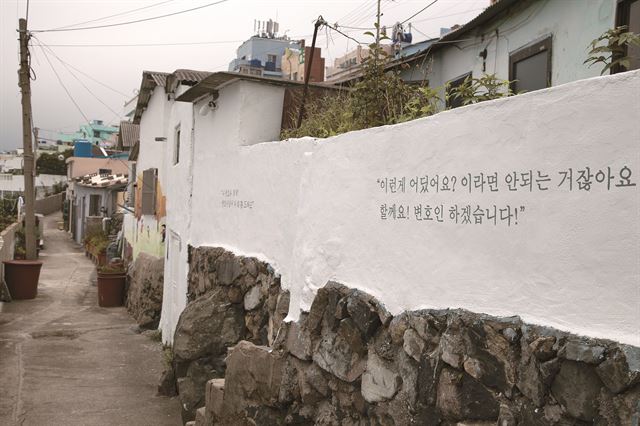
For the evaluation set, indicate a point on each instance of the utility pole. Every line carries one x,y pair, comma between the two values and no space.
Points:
307,74
378,25
24,81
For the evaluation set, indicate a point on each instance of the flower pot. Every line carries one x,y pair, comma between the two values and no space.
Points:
22,278
110,289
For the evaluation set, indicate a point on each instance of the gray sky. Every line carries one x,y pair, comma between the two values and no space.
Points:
227,24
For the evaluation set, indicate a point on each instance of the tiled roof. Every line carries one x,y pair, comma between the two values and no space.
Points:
159,78
152,79
96,180
190,76
215,80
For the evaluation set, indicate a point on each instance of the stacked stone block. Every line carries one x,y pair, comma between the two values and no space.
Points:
350,362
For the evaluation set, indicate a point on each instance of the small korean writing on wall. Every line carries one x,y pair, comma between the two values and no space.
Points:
231,200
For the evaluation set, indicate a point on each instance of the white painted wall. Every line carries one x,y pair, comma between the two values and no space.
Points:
571,262
573,25
82,202
10,184
145,232
178,178
247,114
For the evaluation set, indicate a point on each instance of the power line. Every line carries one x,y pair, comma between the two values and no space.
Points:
420,11
43,46
367,12
114,15
344,34
195,43
449,15
65,88
358,12
420,32
132,22
82,72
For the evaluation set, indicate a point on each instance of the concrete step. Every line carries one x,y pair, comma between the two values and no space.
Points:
214,396
201,417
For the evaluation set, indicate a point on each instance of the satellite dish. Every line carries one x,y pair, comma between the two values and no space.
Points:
61,157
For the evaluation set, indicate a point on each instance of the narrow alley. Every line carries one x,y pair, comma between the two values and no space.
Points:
66,361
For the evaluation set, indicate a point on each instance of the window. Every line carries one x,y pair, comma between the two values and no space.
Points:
96,134
104,171
530,67
149,178
176,145
94,204
455,102
271,58
628,14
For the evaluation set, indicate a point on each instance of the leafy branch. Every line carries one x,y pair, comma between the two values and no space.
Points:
610,49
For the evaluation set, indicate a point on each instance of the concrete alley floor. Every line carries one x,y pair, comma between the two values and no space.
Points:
66,361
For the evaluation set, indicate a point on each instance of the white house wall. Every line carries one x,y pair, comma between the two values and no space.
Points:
572,24
313,208
82,200
247,114
153,125
178,178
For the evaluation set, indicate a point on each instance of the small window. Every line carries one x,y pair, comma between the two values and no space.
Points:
628,15
271,58
96,134
455,102
176,146
149,178
94,204
104,171
530,67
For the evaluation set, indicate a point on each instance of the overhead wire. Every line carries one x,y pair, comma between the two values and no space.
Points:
65,88
149,44
84,73
344,34
420,11
44,46
352,13
114,15
132,22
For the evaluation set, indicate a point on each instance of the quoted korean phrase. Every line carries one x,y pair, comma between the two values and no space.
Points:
582,179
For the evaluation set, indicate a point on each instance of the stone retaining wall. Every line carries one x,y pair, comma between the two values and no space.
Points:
348,361
231,299
144,292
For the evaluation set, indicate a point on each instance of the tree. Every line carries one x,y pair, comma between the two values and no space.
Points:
51,164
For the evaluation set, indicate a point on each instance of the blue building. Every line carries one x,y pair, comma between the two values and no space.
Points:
262,54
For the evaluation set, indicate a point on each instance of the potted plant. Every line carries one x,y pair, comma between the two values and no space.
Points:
87,245
22,275
100,244
111,282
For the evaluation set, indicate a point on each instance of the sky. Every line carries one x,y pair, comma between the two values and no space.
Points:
101,77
